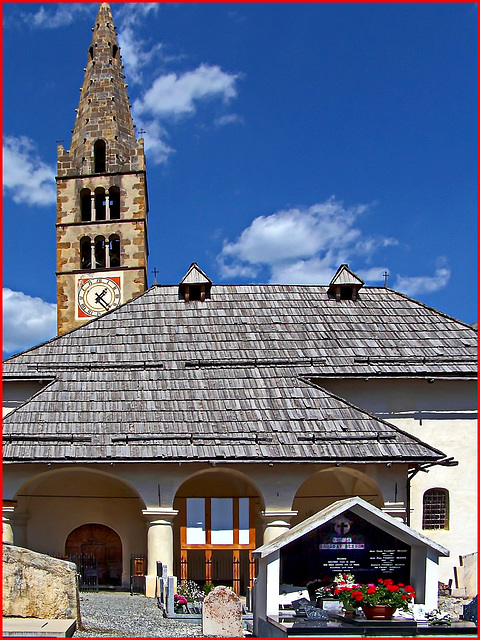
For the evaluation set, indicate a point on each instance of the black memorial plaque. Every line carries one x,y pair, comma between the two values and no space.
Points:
348,543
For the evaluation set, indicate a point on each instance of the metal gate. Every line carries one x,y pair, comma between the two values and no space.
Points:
87,569
137,574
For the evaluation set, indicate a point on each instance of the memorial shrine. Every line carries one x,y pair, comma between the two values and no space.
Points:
349,536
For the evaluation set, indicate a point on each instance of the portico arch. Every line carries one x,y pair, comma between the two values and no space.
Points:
217,528
53,504
329,485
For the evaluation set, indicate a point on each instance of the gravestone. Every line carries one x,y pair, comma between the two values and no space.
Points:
300,606
222,614
470,611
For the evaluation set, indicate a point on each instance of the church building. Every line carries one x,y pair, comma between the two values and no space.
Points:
192,423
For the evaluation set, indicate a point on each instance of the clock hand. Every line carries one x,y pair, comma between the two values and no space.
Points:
99,299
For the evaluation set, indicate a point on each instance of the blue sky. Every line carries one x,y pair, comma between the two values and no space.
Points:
282,140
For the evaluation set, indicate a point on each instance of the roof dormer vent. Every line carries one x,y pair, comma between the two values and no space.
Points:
195,285
345,284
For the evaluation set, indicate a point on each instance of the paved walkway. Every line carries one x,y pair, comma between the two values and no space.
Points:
121,615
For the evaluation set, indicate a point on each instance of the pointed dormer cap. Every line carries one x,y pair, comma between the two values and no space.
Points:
195,284
345,284
104,119
195,275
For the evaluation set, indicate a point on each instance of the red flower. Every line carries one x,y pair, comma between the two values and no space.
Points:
409,589
372,590
380,580
400,584
392,587
387,581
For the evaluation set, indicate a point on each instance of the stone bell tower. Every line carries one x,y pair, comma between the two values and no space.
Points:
102,201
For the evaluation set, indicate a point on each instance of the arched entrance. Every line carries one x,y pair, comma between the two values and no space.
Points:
102,543
336,483
216,530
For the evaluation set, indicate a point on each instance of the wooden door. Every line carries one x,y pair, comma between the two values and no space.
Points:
102,543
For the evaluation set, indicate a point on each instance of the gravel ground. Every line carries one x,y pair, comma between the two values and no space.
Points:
120,615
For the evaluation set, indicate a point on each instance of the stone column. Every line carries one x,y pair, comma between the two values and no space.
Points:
396,510
7,514
276,523
20,521
159,544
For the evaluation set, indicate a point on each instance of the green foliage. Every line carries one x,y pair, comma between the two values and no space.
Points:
207,587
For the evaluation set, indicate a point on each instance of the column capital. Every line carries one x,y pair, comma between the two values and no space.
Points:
396,510
159,516
278,514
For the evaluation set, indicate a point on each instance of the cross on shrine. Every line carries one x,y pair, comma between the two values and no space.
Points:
344,527
385,276
155,272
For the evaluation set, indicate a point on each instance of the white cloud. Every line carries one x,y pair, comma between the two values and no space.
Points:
418,285
131,13
60,16
232,118
26,321
156,146
312,271
374,274
177,95
135,55
26,178
302,245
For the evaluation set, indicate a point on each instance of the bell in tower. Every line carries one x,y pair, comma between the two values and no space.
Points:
102,202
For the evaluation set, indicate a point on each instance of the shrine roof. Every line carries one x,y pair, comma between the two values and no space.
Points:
361,508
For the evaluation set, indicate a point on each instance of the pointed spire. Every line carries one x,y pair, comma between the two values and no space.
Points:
104,112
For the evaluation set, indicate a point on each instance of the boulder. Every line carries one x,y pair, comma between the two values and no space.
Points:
38,586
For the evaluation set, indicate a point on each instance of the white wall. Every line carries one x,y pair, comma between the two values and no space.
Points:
443,414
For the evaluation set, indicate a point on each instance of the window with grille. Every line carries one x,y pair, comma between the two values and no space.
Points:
435,509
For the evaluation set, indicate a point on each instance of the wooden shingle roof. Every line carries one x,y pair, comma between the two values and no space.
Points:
228,378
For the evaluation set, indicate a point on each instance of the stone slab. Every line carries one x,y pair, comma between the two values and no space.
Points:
38,628
222,614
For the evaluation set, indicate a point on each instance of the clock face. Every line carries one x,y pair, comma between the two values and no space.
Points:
97,295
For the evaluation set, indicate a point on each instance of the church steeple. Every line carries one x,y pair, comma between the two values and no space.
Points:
104,112
102,202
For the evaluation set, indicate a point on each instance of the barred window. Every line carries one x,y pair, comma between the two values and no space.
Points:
435,509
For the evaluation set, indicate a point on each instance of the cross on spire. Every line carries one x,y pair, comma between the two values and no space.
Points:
155,272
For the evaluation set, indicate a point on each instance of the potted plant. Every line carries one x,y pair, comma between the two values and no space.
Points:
378,601
343,585
179,602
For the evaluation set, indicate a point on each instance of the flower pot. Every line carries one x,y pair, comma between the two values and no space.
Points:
378,612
